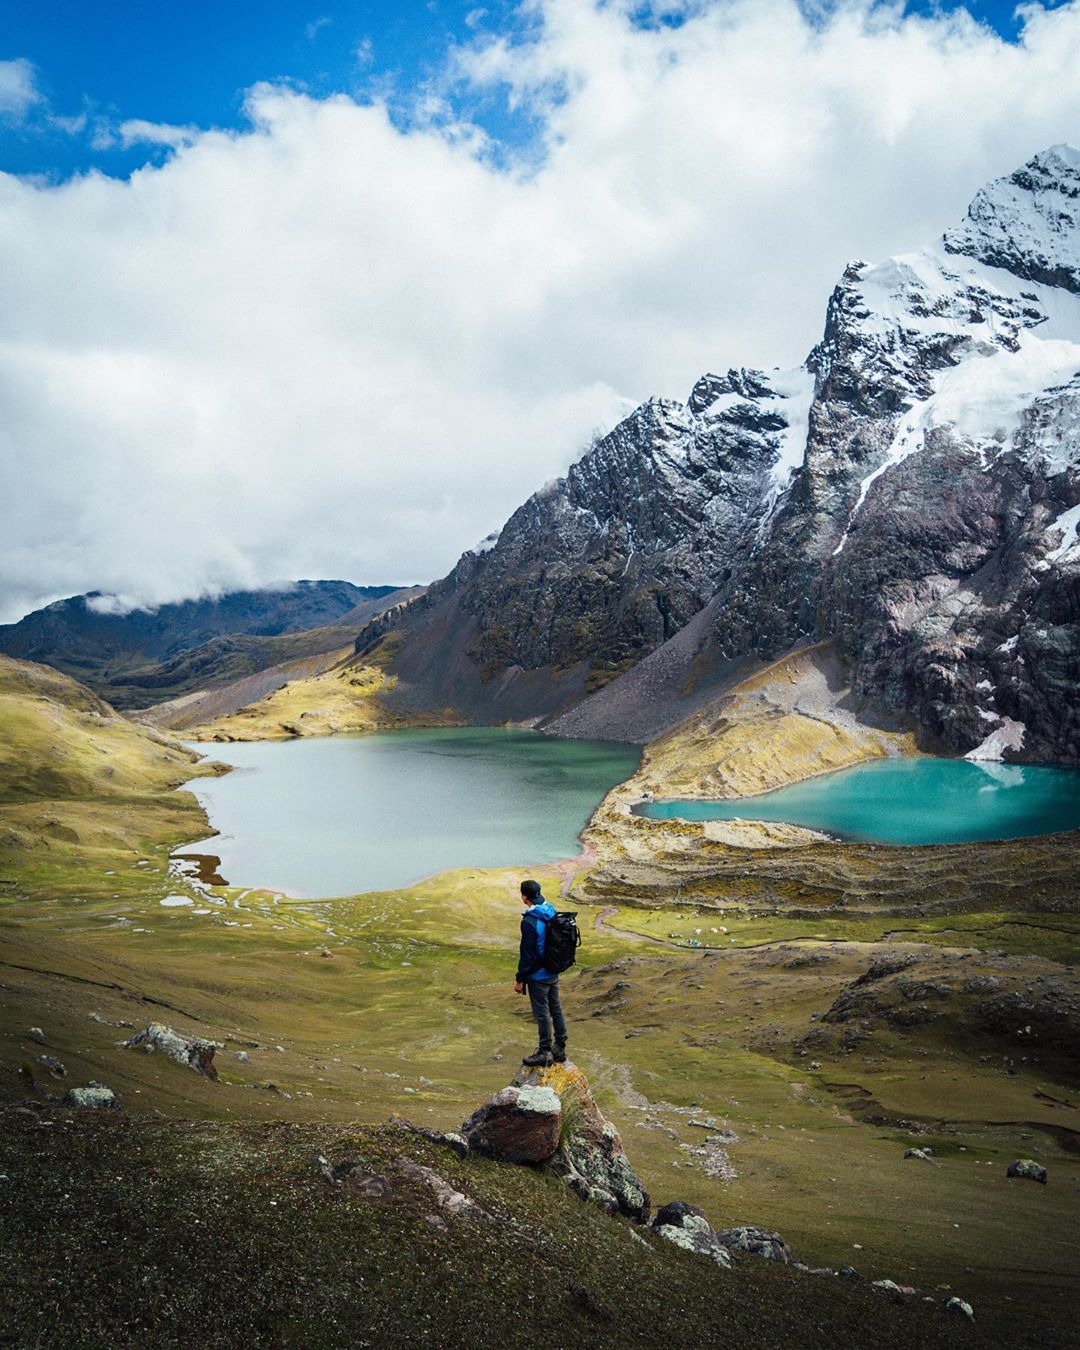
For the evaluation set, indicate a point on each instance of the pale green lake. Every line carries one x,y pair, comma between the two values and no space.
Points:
909,801
342,814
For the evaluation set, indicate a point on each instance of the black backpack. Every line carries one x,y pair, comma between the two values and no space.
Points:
561,942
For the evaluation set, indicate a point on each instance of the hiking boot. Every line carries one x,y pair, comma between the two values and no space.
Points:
559,1054
539,1059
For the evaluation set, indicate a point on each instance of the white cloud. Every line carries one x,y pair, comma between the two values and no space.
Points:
18,89
136,131
330,346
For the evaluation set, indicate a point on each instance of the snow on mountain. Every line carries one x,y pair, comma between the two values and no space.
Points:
1028,222
911,493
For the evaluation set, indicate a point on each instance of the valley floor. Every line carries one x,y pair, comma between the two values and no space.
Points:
851,1003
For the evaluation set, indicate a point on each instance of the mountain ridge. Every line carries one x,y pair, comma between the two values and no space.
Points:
911,493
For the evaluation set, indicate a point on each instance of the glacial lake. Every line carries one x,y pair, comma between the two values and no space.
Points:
909,801
342,814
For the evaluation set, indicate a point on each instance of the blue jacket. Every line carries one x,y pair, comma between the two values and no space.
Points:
533,938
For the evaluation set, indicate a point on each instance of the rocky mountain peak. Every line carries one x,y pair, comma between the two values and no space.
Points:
1029,221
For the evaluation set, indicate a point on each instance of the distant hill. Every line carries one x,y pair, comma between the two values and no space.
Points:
148,655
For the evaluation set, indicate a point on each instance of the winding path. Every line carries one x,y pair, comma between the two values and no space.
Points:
609,911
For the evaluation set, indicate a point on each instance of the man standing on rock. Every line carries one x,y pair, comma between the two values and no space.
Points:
542,984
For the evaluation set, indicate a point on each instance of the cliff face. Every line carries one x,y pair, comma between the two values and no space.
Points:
912,494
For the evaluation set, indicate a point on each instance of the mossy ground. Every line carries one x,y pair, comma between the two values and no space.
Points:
166,1234
412,1011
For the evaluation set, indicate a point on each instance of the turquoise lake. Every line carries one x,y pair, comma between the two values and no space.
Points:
343,814
909,801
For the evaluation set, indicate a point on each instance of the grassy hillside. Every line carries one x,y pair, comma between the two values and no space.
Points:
350,696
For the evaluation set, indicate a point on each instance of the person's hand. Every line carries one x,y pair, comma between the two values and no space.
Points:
519,988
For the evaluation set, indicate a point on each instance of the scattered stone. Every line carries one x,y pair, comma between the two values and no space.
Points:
519,1124
815,1063
97,1017
191,1051
35,1034
849,1273
891,1287
453,1201
757,1241
1028,1169
243,1057
369,1184
958,1305
95,1096
923,1155
53,1065
456,1142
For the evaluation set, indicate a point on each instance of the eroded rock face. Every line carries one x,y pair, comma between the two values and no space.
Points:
591,1158
191,1051
520,1124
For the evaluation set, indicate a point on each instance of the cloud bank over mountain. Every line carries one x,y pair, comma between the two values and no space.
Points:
344,344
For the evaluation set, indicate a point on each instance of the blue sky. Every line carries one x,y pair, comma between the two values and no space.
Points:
97,65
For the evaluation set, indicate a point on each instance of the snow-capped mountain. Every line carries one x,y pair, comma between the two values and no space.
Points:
911,493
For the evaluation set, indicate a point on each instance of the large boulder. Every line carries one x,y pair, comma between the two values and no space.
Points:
191,1051
591,1157
520,1124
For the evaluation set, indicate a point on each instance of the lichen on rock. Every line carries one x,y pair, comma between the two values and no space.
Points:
191,1051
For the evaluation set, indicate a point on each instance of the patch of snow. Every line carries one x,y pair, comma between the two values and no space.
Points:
173,901
1030,216
1010,644
795,389
1069,525
487,543
988,716
1009,736
984,684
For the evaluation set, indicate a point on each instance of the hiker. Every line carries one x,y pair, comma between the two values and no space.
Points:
542,984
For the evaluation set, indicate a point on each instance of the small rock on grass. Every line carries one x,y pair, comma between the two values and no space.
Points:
1028,1169
35,1034
53,1065
94,1096
957,1305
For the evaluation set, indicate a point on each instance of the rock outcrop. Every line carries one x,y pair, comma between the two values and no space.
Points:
520,1124
687,1227
191,1051
548,1115
590,1158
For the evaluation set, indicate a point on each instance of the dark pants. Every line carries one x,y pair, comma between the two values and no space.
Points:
546,1008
